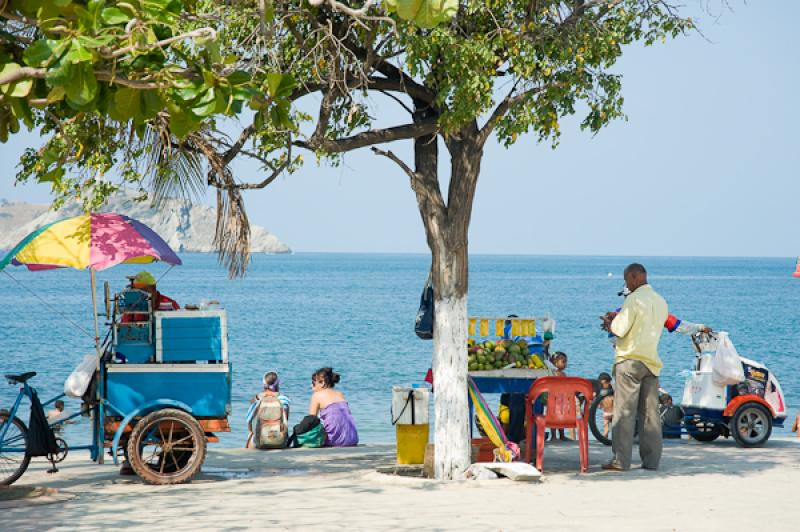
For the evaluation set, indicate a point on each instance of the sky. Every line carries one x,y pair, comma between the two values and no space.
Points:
706,164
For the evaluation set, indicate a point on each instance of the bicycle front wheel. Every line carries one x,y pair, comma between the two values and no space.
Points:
14,458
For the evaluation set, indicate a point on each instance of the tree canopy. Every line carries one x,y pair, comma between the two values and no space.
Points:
136,92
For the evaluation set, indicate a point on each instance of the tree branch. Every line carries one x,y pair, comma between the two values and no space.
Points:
407,169
373,136
508,103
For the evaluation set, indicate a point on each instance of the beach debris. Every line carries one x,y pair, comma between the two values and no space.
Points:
513,470
479,471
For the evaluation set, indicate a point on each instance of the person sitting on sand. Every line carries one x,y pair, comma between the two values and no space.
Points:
332,409
272,388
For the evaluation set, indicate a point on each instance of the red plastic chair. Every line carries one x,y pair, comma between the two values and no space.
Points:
560,413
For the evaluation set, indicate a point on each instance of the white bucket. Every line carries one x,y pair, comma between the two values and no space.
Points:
410,410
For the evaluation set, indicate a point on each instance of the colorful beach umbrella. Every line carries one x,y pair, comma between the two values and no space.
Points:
91,241
95,241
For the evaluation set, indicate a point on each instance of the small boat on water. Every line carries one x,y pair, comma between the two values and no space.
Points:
797,269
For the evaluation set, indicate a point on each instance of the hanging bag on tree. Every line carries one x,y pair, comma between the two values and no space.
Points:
424,322
726,366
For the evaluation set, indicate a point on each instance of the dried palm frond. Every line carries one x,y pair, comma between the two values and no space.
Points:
232,235
175,169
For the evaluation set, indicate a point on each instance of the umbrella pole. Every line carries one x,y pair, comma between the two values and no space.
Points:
98,417
94,314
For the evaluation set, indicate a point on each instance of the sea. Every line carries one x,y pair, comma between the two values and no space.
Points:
355,312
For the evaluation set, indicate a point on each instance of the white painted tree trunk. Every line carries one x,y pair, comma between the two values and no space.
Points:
450,385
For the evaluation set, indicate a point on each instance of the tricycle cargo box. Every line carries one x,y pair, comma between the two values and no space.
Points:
191,335
205,388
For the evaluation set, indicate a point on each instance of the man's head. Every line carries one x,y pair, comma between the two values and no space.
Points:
635,276
605,380
145,281
59,405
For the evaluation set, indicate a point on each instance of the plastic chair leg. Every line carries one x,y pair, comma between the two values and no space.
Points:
528,432
583,446
540,428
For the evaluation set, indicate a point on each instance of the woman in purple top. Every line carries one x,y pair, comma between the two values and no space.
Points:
331,407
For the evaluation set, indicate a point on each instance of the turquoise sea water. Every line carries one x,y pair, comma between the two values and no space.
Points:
355,312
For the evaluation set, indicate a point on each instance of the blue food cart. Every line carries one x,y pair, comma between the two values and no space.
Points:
157,389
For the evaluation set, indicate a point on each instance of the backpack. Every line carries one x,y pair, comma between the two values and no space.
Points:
270,426
423,325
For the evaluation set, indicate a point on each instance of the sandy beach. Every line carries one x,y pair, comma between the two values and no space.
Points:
705,487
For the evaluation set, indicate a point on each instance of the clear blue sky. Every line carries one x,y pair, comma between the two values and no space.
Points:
707,164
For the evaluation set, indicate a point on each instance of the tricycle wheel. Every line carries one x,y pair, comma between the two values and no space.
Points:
167,447
14,459
703,431
751,425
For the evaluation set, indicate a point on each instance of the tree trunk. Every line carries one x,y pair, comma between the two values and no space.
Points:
450,374
446,229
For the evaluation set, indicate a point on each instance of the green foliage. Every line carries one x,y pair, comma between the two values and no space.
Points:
141,89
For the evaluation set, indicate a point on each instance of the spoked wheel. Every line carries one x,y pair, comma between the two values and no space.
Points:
751,425
598,424
167,447
63,450
14,459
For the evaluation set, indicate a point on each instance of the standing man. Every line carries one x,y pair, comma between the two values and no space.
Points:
637,326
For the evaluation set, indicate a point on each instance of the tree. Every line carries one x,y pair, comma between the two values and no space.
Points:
464,72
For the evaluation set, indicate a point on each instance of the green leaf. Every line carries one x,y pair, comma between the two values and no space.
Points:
19,89
126,104
52,176
151,104
274,83
22,111
238,77
81,86
78,53
114,15
181,124
39,53
207,104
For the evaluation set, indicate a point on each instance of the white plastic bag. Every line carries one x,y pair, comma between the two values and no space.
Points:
726,367
78,381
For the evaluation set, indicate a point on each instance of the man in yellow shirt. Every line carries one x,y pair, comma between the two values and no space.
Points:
637,326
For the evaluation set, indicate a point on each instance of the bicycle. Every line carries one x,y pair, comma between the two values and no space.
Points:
15,452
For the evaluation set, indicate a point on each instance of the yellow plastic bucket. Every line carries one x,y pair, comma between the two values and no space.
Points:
411,442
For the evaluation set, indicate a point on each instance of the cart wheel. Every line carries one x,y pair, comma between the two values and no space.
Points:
751,425
167,447
63,450
703,431
596,420
14,460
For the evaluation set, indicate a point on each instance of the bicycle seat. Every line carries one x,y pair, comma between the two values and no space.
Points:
12,379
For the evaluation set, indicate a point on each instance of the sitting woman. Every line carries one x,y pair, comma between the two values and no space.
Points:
274,422
332,409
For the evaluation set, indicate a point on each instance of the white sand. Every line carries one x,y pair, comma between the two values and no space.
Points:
704,487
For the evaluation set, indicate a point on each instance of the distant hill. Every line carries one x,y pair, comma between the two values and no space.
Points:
183,225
